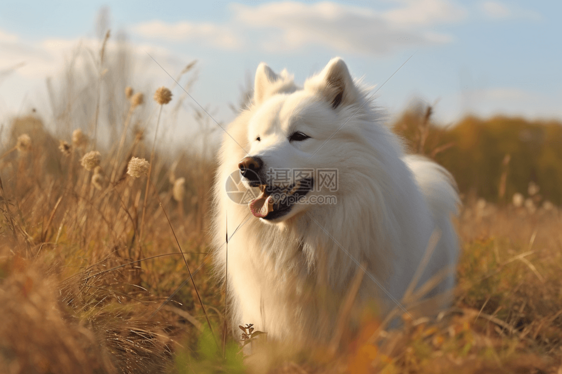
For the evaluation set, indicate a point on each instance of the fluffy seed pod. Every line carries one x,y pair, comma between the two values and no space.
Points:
518,200
79,139
533,189
178,192
129,92
530,205
23,143
163,96
138,167
65,148
137,99
91,160
548,206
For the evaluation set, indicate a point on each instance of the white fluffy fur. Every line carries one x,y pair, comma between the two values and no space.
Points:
289,278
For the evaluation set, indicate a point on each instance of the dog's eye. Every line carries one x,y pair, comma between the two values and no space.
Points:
298,136
258,139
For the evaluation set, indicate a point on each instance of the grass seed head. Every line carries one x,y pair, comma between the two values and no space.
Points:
128,92
91,160
65,148
79,139
137,99
163,95
138,167
518,200
533,189
23,143
530,205
179,189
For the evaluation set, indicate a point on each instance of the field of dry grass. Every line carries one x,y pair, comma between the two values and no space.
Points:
102,272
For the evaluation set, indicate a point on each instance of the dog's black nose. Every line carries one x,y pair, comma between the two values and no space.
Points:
250,167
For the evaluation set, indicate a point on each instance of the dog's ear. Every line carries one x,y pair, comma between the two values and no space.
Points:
264,79
334,83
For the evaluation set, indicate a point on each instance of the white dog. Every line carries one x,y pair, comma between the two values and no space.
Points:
350,200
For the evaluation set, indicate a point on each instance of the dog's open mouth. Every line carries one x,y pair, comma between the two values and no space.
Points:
275,201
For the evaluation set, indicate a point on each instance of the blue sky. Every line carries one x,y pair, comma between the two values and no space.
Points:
482,57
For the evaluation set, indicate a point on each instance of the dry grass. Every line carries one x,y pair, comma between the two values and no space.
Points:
87,285
73,269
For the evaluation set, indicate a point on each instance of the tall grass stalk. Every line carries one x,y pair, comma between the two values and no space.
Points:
141,231
190,274
225,326
121,143
101,73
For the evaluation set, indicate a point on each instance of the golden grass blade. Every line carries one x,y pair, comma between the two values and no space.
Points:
431,245
185,315
346,308
190,275
44,234
225,291
7,213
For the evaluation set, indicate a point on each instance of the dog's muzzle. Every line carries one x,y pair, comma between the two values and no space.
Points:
250,168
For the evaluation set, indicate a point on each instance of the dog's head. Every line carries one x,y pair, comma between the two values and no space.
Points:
300,141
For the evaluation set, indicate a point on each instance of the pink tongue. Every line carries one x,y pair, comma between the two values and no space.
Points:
261,206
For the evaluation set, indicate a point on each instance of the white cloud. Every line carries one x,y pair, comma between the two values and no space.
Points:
7,37
25,64
426,12
36,62
218,35
290,26
49,56
498,10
